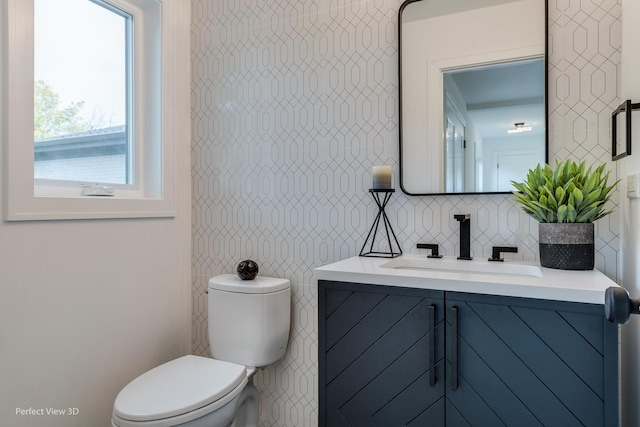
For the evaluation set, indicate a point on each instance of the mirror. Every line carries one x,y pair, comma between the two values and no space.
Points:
473,112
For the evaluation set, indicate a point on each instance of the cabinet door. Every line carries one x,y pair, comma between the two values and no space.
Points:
520,362
374,356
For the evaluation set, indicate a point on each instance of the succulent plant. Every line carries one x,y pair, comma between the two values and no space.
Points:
567,194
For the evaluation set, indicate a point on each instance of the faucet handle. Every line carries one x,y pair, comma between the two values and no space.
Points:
462,217
497,250
433,247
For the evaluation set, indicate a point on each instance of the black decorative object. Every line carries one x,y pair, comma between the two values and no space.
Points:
622,129
567,246
382,203
247,269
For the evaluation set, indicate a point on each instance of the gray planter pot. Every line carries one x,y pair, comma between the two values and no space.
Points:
566,246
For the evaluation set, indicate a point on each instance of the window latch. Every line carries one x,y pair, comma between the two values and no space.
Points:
97,190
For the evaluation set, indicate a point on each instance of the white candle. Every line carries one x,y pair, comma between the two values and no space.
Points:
382,177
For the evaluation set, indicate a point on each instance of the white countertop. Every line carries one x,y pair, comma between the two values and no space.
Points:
558,285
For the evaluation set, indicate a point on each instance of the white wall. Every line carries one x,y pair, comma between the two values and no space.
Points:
86,306
630,216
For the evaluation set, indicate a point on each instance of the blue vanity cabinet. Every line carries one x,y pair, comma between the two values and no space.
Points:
498,361
526,362
375,366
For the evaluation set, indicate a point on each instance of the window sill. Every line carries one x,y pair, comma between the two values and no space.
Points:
60,208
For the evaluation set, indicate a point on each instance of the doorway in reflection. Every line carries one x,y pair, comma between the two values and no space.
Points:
455,168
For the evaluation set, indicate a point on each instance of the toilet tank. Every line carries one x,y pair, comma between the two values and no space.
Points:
249,320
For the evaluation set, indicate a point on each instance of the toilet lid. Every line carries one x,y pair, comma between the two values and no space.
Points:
177,387
259,285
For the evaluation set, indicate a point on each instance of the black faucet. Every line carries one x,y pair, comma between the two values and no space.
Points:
496,250
465,236
433,247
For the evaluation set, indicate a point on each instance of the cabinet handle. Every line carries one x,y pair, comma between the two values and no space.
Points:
454,348
432,345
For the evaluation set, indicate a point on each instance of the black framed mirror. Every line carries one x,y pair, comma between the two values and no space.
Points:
473,94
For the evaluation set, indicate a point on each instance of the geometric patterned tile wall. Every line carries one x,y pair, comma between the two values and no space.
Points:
585,42
293,101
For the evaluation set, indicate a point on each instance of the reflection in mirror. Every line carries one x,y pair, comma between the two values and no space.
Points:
472,80
494,125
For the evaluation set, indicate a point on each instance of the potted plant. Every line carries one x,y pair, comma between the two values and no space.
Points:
565,201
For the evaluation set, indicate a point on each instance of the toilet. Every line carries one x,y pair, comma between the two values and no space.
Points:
249,323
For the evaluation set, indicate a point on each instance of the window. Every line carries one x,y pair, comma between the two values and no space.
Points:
83,92
112,78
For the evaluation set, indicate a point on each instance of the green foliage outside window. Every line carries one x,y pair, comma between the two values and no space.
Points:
50,118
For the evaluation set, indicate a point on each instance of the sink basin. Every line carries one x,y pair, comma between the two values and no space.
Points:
461,266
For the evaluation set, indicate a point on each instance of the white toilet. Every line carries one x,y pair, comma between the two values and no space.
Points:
248,328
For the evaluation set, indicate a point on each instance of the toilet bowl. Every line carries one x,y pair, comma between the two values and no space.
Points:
251,329
192,391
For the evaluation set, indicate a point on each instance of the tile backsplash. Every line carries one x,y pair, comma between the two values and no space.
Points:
293,102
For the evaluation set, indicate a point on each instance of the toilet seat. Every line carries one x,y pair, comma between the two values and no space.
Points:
186,388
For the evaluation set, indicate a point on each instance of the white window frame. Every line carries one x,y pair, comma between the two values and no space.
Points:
165,112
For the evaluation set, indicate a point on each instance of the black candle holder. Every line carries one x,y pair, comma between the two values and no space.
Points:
381,201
